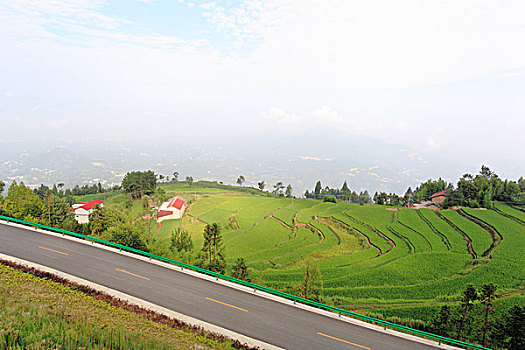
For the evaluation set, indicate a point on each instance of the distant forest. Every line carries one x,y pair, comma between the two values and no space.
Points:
470,191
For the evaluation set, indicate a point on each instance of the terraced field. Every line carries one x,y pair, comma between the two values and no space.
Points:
375,259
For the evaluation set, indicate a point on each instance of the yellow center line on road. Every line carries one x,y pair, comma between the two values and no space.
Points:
220,302
52,250
344,341
133,274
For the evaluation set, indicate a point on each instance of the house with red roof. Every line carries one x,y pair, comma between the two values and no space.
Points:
172,209
438,198
83,209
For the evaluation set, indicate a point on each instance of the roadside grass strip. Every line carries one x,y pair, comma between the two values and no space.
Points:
38,313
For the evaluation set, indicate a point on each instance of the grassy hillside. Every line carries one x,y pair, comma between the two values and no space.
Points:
372,258
37,313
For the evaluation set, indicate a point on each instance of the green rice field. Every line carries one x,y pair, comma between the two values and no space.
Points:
373,259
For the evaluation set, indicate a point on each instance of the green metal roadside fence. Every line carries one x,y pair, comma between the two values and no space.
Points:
256,287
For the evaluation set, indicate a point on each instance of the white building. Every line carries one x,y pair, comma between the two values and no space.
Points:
83,209
172,209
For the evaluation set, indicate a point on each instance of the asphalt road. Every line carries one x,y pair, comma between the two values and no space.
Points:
256,317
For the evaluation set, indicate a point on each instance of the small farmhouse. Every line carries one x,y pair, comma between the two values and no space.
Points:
172,209
83,209
439,197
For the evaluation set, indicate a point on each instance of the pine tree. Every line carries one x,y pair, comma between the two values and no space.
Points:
213,249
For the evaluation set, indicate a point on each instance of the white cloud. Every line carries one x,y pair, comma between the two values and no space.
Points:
293,122
36,108
433,143
352,43
58,123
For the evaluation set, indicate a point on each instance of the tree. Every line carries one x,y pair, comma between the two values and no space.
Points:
128,235
175,176
213,249
261,185
240,270
521,184
364,198
278,188
181,241
240,180
189,180
22,203
470,295
345,192
330,199
139,183
99,220
441,323
488,292
288,192
2,186
317,190
510,330
312,285
56,210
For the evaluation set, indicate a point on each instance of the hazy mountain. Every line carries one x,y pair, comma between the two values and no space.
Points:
299,159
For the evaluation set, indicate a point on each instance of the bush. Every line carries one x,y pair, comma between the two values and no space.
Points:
330,199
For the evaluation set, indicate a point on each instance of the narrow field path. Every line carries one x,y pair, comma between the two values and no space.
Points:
496,236
519,221
417,233
379,233
444,238
342,225
467,238
233,221
280,221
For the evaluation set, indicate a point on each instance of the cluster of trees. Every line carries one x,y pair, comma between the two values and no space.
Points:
482,189
472,191
139,183
332,194
40,206
474,320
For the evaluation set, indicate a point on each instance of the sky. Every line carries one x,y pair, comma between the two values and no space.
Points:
441,77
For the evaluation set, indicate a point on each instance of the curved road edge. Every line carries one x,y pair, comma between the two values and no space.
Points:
229,284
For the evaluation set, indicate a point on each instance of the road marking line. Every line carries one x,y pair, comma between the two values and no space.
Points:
344,341
132,274
52,250
220,302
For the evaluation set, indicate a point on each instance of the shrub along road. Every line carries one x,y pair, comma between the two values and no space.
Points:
256,317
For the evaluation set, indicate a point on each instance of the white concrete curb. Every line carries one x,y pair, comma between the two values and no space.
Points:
146,305
247,289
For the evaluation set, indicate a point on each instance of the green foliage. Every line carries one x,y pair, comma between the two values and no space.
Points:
442,322
330,199
213,249
311,286
181,241
139,183
510,330
22,203
127,234
240,270
426,189
240,180
37,313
